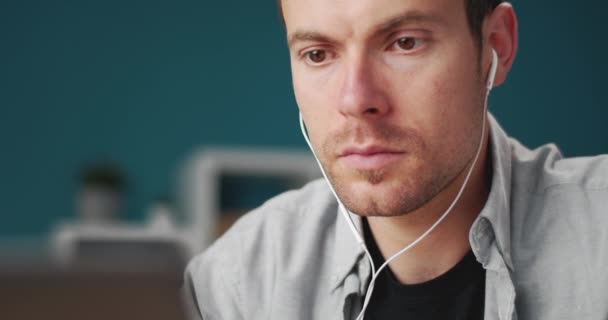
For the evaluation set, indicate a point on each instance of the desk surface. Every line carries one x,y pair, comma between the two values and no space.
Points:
65,293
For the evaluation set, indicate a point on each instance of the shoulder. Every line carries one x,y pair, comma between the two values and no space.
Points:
557,200
285,217
279,235
544,169
558,204
558,218
546,187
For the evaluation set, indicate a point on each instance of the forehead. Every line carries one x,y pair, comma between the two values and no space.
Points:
359,16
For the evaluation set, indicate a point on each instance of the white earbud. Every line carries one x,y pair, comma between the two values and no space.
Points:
492,73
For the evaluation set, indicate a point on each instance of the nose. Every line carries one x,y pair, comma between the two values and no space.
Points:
362,94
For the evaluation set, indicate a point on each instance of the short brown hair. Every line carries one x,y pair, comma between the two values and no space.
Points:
477,10
476,13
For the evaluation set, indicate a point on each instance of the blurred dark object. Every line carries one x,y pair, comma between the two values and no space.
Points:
126,255
106,175
101,195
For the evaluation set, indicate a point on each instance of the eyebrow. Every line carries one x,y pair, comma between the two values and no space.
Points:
409,17
308,36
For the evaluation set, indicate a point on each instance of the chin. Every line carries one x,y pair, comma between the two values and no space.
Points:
380,195
372,198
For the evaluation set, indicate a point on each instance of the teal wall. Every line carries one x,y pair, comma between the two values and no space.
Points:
144,83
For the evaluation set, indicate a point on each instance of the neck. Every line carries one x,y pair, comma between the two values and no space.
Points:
445,246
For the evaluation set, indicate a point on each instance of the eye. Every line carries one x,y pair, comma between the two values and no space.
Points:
406,44
316,56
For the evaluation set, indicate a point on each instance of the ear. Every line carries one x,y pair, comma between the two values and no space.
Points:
500,33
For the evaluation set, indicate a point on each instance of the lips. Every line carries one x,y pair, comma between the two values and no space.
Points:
369,158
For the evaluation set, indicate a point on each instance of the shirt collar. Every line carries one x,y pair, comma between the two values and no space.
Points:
493,222
347,251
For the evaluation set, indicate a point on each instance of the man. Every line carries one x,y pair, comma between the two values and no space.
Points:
473,224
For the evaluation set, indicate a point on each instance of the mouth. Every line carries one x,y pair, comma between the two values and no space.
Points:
370,158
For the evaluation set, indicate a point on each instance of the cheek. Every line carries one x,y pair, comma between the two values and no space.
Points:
437,100
310,89
420,96
311,98
459,112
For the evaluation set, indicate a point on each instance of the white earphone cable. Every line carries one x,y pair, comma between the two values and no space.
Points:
346,213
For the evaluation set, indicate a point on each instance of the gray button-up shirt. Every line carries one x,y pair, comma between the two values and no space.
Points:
542,238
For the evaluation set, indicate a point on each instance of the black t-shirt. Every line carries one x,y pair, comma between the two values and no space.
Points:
457,294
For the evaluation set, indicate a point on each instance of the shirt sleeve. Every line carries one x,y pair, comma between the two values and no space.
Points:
209,292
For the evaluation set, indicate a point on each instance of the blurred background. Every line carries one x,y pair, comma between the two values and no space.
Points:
116,117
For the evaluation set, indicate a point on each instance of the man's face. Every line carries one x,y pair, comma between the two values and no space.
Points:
391,93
